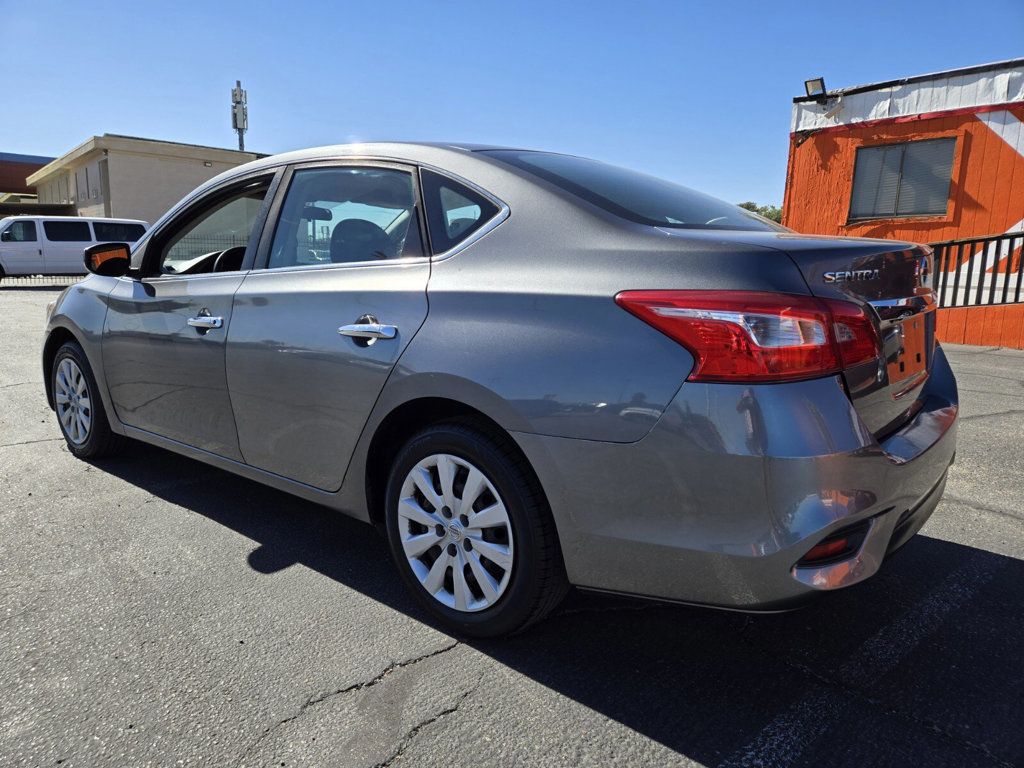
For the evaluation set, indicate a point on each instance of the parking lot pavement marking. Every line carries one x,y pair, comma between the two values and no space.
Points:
783,740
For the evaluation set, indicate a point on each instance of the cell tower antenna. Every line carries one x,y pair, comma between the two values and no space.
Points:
239,112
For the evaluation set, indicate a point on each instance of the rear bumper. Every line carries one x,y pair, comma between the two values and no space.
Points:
735,483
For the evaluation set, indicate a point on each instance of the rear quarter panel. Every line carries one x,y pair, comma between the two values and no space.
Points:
528,314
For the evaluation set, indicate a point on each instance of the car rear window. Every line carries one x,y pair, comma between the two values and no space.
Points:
67,231
117,232
631,195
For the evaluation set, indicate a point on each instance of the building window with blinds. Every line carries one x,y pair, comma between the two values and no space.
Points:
908,179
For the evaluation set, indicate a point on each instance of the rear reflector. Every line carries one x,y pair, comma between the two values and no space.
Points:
754,336
839,546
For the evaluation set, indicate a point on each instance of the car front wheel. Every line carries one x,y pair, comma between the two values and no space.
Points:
80,413
470,531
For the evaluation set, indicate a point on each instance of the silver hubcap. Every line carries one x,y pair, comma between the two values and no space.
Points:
74,408
456,533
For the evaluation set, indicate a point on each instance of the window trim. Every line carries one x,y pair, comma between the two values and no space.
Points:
262,256
154,240
954,175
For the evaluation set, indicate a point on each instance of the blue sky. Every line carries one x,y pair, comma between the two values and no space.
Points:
696,92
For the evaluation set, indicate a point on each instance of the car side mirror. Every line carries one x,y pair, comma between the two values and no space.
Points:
6,237
108,259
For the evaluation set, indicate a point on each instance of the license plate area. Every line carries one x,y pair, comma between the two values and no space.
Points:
908,343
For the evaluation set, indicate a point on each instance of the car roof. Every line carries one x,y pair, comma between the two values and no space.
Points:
411,151
420,152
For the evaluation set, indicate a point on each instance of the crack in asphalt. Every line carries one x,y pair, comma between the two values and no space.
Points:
30,442
407,739
1010,412
312,701
982,508
19,384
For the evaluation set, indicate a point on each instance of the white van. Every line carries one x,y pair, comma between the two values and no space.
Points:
53,245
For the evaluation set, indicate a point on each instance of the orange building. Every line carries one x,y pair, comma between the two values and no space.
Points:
936,159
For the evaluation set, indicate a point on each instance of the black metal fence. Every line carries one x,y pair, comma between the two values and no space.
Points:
980,271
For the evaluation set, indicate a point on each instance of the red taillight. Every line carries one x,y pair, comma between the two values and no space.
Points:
854,332
755,336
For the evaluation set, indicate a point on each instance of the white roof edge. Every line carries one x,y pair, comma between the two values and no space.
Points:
993,85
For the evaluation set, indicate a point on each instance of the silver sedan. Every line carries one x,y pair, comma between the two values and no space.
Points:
529,370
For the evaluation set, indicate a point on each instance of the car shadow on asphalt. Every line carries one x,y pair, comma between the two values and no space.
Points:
921,664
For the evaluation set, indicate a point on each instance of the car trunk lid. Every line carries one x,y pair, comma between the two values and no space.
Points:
895,280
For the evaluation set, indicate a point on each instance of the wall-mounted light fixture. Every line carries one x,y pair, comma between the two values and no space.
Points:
815,88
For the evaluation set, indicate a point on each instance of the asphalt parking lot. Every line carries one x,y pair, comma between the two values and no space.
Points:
156,611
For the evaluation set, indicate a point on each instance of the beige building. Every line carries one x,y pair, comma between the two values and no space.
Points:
130,178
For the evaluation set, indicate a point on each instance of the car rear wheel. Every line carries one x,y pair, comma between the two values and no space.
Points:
471,532
80,413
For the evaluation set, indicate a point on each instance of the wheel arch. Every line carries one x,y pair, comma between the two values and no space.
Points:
57,338
405,420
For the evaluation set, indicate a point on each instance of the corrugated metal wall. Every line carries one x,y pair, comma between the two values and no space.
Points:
986,193
986,196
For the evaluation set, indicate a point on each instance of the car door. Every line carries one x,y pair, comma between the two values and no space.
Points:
21,252
317,328
163,342
64,242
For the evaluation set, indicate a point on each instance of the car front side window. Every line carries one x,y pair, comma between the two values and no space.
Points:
345,215
21,232
213,238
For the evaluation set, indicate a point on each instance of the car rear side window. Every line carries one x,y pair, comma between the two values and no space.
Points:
454,211
346,215
117,232
21,232
67,231
633,196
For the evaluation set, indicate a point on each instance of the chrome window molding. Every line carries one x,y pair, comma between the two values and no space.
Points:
503,211
492,223
404,261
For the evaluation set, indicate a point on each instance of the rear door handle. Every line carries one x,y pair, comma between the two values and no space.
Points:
369,331
206,322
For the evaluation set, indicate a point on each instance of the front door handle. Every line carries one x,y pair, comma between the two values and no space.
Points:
369,331
205,321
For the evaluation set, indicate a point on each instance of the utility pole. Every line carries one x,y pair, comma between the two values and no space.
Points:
239,112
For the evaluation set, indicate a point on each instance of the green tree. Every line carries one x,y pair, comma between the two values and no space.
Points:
772,212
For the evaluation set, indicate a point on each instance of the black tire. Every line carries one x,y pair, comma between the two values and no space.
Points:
101,441
537,583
